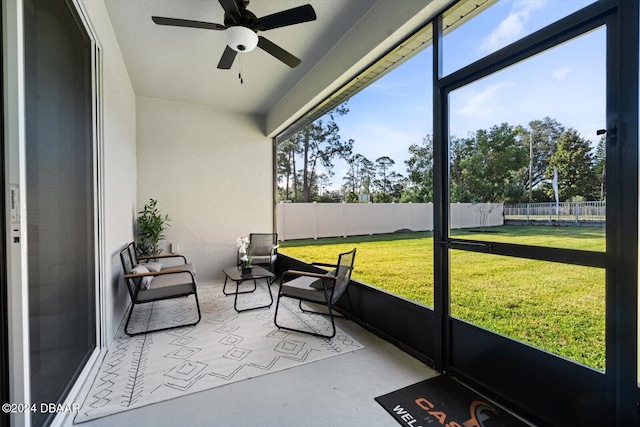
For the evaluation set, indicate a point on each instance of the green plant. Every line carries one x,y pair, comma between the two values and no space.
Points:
151,226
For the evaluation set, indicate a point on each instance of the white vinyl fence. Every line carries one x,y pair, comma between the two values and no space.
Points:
317,220
564,211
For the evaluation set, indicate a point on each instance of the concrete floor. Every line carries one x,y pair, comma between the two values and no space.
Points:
338,391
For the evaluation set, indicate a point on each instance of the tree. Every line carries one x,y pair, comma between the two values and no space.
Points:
319,143
389,184
398,184
382,198
540,139
330,196
459,150
383,164
287,151
351,197
600,166
351,183
576,175
358,178
490,165
318,182
420,172
367,172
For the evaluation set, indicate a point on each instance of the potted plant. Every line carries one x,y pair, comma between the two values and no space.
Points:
151,226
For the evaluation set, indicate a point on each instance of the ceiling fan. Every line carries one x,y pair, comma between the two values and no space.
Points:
240,27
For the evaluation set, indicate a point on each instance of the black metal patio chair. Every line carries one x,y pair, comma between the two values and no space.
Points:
146,286
263,248
323,289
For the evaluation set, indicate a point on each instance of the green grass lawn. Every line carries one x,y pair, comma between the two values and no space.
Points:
556,307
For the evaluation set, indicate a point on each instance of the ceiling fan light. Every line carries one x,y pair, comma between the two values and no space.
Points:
241,39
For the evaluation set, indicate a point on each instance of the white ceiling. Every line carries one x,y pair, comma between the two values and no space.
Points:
179,64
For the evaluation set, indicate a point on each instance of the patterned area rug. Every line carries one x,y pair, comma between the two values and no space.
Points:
223,348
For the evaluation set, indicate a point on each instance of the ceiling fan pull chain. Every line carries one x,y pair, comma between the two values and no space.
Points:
240,73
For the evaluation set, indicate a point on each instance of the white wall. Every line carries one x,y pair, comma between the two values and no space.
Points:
119,160
211,172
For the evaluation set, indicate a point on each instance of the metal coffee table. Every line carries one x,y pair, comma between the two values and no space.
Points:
237,275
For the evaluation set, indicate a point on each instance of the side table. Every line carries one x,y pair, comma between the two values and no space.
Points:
237,275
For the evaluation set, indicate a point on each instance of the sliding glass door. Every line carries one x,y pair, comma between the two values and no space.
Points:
60,199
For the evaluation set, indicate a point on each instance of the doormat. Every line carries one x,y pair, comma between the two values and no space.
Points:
441,401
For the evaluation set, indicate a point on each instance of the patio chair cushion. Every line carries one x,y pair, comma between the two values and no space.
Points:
189,267
173,279
146,281
317,284
153,266
266,259
301,288
164,292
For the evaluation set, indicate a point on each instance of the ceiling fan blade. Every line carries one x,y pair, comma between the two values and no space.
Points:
187,23
293,16
278,52
230,7
226,61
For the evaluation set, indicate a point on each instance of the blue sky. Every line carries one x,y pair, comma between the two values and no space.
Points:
566,83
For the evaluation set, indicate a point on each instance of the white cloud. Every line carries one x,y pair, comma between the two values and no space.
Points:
481,103
561,73
389,85
395,88
512,27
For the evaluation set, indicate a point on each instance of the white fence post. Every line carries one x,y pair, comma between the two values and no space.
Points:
344,219
315,220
